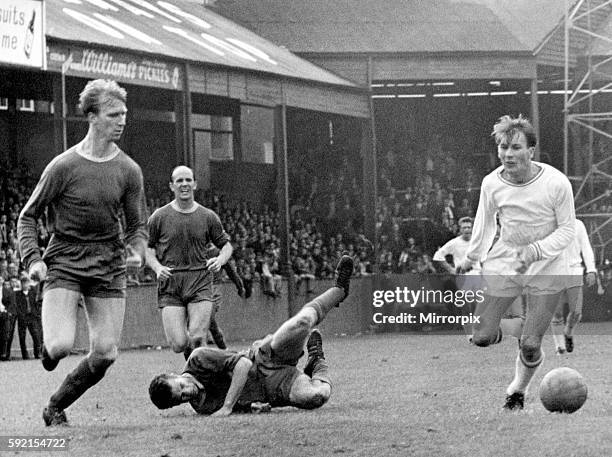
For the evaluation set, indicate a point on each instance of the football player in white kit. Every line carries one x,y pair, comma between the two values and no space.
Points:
578,251
457,248
535,206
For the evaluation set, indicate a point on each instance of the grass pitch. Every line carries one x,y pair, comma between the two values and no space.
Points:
394,394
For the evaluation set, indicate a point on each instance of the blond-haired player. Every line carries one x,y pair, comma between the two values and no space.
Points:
535,205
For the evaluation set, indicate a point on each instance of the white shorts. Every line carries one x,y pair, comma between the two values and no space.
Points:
544,277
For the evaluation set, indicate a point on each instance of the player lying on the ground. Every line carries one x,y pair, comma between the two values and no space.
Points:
218,382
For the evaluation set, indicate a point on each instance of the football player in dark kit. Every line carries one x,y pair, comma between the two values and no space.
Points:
179,235
219,382
86,190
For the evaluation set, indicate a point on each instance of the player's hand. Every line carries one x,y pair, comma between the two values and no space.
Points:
525,256
163,273
38,271
591,278
464,266
213,264
223,412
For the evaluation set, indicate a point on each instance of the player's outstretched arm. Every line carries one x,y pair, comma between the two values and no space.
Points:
239,379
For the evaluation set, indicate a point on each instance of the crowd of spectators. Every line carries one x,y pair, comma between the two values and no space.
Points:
16,312
421,197
16,185
326,206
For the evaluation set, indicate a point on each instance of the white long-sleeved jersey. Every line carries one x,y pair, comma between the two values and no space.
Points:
580,250
539,212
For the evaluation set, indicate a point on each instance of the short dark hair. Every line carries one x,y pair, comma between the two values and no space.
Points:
465,219
160,392
508,126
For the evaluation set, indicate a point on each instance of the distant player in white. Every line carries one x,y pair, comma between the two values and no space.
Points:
457,248
578,251
535,206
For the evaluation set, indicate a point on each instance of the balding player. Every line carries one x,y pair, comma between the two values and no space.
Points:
179,234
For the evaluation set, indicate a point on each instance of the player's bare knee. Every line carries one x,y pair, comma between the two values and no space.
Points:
105,352
302,321
316,399
99,363
104,347
178,344
530,349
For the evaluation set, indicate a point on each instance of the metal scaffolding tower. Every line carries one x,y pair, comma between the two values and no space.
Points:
588,116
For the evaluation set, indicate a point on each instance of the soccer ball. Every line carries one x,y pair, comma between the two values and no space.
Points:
563,390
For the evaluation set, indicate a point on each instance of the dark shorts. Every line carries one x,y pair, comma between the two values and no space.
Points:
93,269
185,287
274,375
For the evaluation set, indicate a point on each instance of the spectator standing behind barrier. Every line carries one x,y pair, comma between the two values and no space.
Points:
4,323
8,300
28,317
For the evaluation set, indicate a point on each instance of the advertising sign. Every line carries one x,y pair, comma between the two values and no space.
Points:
127,68
22,33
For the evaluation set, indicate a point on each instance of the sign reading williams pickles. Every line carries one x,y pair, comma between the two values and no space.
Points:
99,63
22,33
